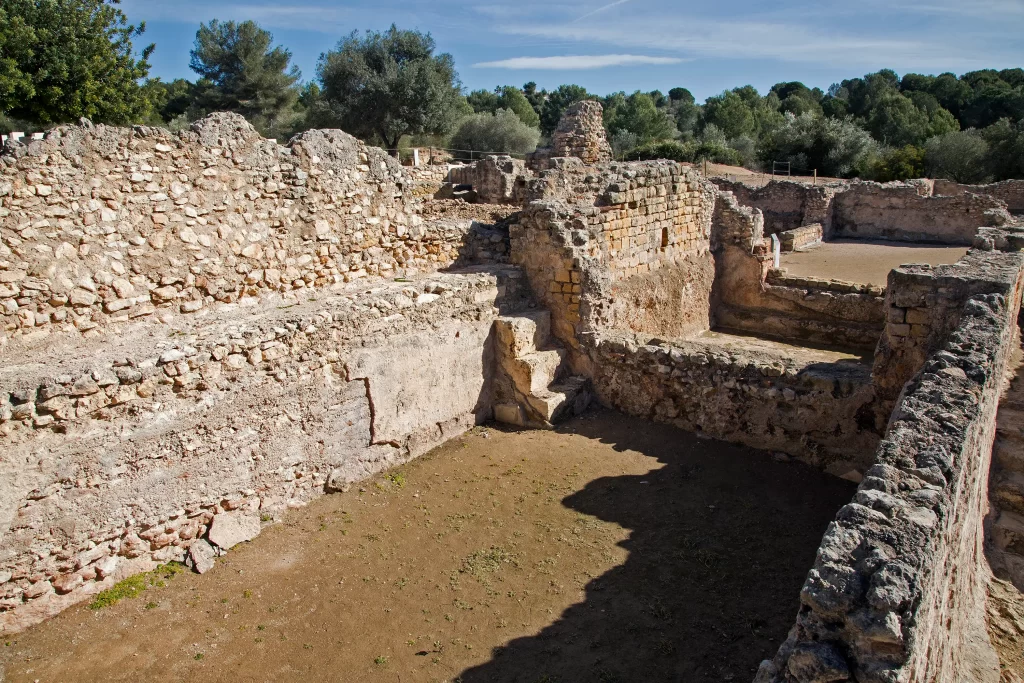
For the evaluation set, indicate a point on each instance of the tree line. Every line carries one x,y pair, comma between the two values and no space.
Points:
64,59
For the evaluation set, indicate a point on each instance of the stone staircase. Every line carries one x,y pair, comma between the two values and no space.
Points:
537,390
1005,522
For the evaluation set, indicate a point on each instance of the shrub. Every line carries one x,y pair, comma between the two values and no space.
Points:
902,163
500,133
959,156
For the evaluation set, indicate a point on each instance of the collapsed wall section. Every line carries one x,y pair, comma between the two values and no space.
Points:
101,225
898,588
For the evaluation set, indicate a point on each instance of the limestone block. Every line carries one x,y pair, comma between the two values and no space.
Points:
231,528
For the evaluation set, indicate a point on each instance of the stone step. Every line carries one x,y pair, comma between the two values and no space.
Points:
539,370
524,333
561,401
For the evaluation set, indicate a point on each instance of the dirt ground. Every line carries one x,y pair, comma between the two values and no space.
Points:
609,550
757,178
865,262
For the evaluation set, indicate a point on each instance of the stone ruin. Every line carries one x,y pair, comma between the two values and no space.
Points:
205,329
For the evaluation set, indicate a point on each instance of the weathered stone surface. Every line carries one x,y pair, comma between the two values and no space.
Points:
231,528
201,554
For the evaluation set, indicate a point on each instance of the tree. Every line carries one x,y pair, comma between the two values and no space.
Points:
1005,157
504,97
638,114
731,113
557,102
535,97
388,85
902,163
958,156
501,132
64,59
241,72
170,100
833,147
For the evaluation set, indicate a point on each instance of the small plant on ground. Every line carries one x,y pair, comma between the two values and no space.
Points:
133,585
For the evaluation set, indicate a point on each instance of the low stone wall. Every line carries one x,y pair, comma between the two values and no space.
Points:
124,455
1009,191
908,212
786,204
822,413
750,297
898,589
802,237
923,304
101,224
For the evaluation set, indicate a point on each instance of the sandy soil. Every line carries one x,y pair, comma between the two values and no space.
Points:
610,550
865,262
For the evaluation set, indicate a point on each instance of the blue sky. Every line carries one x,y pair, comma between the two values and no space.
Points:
610,45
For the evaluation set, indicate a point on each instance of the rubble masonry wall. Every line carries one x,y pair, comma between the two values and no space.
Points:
1009,191
100,225
898,588
750,297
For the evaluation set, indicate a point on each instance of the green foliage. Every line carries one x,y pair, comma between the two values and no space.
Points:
504,97
133,585
729,112
1005,149
170,100
240,72
837,148
959,156
900,163
557,102
387,85
64,59
639,115
502,132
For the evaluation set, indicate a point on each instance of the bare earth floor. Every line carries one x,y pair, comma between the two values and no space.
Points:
865,262
609,550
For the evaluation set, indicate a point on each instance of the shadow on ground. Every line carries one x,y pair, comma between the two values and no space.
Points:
722,538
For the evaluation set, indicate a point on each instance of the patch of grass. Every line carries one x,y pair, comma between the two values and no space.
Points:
397,479
199,656
380,660
486,561
133,585
152,605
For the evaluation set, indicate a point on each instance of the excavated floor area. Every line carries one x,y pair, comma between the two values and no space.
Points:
865,261
609,550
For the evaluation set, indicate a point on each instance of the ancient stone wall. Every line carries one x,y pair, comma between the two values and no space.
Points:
822,413
905,211
897,591
1009,191
786,205
581,134
495,179
121,454
100,225
908,212
923,305
626,248
750,297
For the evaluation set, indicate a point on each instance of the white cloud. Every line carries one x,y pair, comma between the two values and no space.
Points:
603,8
577,62
780,41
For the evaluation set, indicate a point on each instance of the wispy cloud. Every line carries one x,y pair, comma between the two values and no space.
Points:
784,42
604,8
577,62
309,17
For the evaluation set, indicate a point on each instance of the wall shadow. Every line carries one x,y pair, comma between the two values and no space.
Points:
721,540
